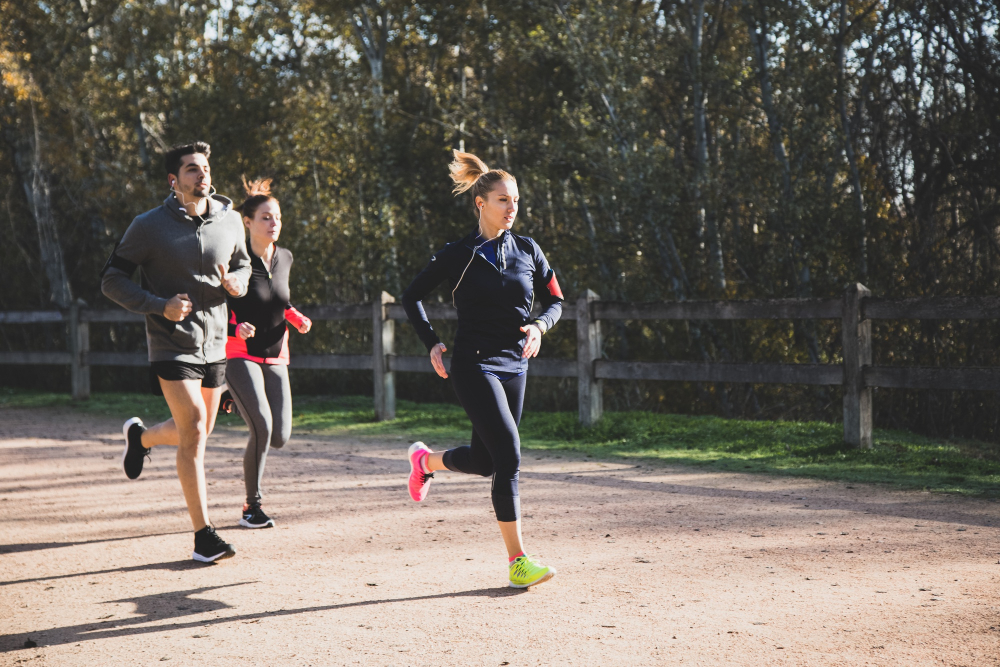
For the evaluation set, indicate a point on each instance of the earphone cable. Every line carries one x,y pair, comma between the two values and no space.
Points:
182,198
474,250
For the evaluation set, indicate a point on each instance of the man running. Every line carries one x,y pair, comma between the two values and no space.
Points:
191,251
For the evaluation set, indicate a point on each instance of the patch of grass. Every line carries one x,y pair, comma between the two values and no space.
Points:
151,408
806,449
431,422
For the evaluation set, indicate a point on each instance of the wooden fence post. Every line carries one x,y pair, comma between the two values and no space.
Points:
857,335
588,349
383,337
79,348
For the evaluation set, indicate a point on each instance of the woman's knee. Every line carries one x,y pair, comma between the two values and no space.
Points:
266,432
261,429
279,439
508,466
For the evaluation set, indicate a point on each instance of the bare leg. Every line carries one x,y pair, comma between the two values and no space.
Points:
511,530
435,461
212,398
165,433
192,422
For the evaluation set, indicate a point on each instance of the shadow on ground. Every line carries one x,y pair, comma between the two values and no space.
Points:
180,604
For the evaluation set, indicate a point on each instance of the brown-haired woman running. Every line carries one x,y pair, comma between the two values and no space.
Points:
257,348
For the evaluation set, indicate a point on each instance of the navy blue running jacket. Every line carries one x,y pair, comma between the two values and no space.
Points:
494,300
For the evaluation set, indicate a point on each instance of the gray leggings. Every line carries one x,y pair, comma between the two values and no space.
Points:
264,400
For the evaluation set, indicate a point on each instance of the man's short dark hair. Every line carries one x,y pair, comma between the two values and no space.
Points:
172,160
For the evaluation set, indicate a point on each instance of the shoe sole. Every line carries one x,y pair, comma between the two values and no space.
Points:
409,455
125,427
211,559
268,524
545,577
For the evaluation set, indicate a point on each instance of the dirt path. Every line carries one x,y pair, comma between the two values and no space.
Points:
656,565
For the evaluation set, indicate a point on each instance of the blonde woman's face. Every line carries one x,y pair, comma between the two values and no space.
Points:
499,209
266,223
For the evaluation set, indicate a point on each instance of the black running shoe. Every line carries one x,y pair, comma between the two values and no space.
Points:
135,454
226,403
209,547
254,517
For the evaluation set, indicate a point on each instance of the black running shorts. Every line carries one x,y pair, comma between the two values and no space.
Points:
211,375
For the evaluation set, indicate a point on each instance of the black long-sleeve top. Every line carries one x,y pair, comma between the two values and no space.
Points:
494,300
266,306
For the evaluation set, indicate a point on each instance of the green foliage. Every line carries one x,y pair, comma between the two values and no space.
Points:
767,150
805,449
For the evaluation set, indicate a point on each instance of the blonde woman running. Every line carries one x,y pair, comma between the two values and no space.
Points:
494,277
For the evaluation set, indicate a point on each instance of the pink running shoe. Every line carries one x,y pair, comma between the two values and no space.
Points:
420,481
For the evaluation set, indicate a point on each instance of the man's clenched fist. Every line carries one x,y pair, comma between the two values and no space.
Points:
229,283
178,307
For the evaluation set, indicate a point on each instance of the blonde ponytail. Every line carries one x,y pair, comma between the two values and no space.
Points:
469,173
465,170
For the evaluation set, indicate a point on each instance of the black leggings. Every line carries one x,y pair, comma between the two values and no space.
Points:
494,407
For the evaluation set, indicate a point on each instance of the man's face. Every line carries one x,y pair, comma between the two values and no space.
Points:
194,178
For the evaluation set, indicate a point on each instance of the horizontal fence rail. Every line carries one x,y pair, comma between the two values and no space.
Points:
932,308
41,358
916,377
774,309
856,374
678,371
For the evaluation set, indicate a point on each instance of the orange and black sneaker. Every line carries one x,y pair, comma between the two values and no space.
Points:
254,517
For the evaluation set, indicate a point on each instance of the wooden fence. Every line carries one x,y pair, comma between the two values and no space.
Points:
855,309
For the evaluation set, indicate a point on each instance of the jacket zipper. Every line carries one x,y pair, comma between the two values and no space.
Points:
201,295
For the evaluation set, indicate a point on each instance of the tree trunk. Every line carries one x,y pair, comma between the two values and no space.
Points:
37,188
707,225
374,38
852,160
788,210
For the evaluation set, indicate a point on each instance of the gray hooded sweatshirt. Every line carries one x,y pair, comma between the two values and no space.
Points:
180,254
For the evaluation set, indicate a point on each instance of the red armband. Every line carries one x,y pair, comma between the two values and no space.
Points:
554,287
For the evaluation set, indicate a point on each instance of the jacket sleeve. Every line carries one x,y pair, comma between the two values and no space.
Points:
294,317
239,263
547,291
292,314
433,275
116,278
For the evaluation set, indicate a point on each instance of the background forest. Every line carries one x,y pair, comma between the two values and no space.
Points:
708,149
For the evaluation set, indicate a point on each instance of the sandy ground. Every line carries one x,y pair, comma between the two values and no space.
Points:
657,565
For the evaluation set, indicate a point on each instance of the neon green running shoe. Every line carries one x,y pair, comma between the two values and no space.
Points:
525,571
